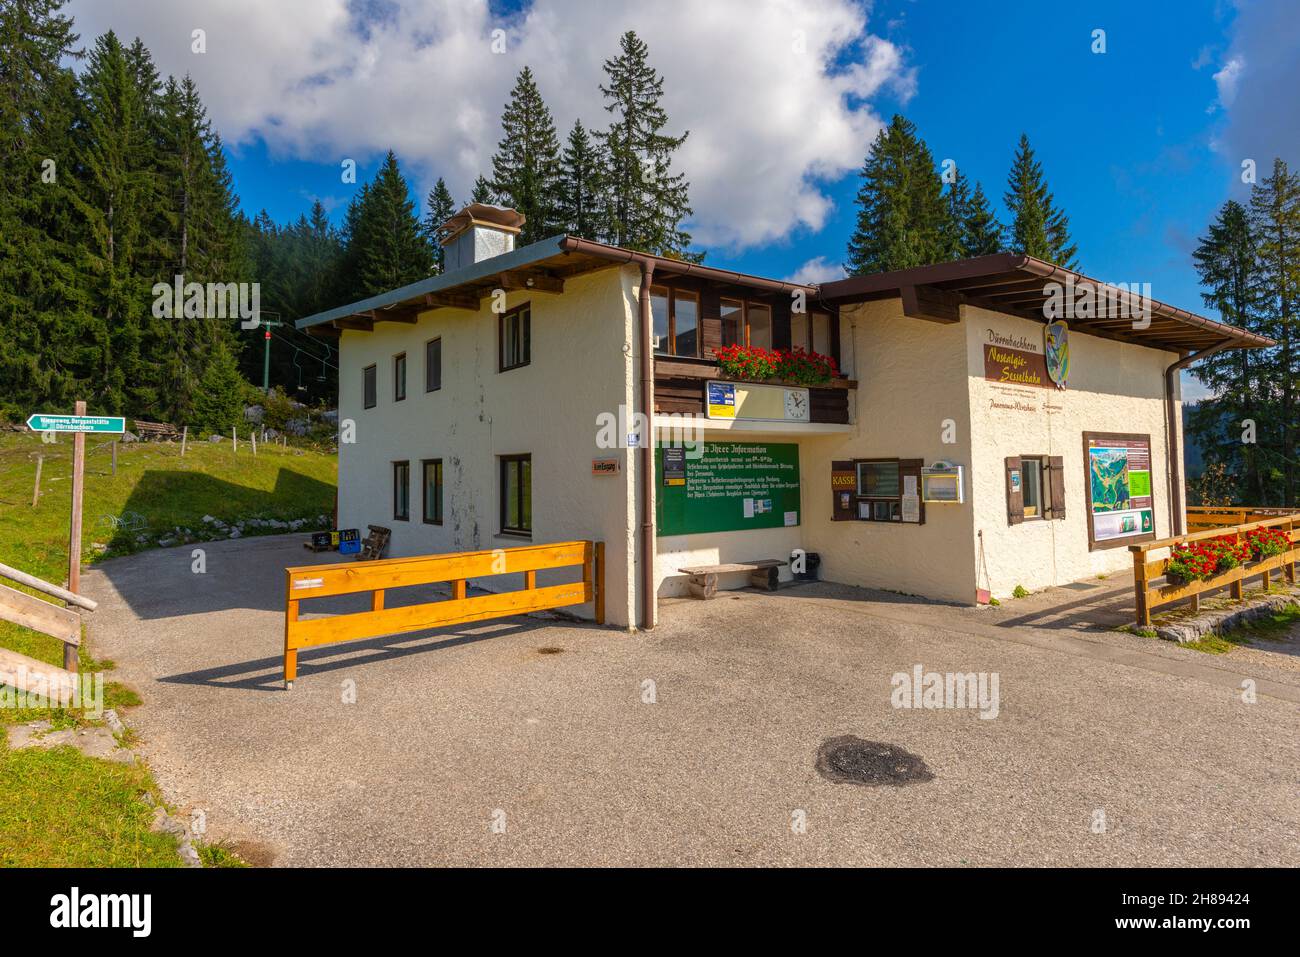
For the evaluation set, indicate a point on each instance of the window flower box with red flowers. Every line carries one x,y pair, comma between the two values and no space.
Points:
1267,542
1201,561
776,366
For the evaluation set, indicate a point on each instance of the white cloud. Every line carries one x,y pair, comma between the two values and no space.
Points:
776,93
816,271
1256,86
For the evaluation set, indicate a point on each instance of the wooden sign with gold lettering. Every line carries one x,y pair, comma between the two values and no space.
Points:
1015,367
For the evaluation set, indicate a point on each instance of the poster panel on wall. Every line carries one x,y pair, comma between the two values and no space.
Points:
1121,506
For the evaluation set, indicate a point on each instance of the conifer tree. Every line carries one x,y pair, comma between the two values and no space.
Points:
440,208
482,191
526,166
903,220
386,245
219,401
646,201
580,185
981,231
1038,228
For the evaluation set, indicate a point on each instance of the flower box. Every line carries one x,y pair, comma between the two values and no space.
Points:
796,367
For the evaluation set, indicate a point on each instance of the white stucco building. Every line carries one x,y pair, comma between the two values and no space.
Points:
498,404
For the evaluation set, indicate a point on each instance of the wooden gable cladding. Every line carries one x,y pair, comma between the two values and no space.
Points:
934,305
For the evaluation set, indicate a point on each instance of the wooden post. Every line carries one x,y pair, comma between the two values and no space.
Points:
74,530
185,434
115,458
234,441
1142,610
290,654
252,437
600,583
36,489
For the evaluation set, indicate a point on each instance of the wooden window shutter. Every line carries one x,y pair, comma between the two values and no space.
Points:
1056,474
844,479
1015,490
912,468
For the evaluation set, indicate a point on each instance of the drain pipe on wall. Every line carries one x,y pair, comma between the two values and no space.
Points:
1172,424
645,474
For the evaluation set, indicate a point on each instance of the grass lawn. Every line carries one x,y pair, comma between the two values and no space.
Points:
59,808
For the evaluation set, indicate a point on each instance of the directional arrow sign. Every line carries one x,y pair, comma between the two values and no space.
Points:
76,423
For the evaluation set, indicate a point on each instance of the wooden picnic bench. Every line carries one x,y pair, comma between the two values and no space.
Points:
156,430
704,578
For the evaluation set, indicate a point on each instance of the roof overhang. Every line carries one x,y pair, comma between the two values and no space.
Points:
542,267
1022,286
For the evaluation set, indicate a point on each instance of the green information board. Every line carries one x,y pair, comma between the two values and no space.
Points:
728,487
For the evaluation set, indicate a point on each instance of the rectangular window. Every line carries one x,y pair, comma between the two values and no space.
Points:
516,338
821,333
399,377
1032,486
686,310
516,494
799,331
733,322
880,494
402,491
659,312
760,326
432,482
369,390
433,365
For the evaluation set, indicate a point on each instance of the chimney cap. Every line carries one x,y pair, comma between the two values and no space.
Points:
501,218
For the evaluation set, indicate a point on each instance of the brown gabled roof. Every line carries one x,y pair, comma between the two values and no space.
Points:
1020,286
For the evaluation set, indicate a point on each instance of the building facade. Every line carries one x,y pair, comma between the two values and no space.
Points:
570,390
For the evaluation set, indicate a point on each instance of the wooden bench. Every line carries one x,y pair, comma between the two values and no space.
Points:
704,578
156,430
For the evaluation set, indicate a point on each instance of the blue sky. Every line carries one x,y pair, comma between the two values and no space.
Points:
1141,144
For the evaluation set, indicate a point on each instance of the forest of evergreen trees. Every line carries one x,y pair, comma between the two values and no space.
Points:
119,182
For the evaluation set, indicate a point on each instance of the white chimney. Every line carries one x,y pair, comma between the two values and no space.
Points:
478,232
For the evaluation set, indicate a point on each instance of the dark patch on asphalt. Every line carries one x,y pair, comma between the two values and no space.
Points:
549,650
851,760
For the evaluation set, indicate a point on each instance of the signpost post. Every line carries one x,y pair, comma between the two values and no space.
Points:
78,424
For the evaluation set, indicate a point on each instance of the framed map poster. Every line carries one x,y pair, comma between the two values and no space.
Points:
1121,502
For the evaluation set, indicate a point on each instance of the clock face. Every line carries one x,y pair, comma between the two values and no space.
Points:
796,405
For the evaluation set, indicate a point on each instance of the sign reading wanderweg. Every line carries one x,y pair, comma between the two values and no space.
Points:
40,422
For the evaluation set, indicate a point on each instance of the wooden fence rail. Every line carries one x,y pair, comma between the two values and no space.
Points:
28,611
323,581
1146,570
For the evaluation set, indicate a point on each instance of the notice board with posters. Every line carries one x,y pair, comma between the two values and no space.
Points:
726,487
1121,502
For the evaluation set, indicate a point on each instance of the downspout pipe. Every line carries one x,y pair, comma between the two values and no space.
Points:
645,474
1172,425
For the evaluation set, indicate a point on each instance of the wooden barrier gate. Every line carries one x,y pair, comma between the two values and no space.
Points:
323,581
1148,597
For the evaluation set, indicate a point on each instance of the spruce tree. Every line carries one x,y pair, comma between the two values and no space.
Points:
1275,224
387,247
981,231
1228,265
219,401
440,208
580,186
525,169
1038,228
483,192
646,201
903,220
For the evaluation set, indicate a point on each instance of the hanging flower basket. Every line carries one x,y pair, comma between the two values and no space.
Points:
785,366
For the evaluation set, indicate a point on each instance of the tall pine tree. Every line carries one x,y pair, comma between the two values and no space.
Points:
386,244
525,169
440,207
580,185
1038,228
646,201
903,219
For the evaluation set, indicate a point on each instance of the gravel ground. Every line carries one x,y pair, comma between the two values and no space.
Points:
454,734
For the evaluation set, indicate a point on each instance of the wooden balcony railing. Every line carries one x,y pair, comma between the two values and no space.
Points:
680,387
